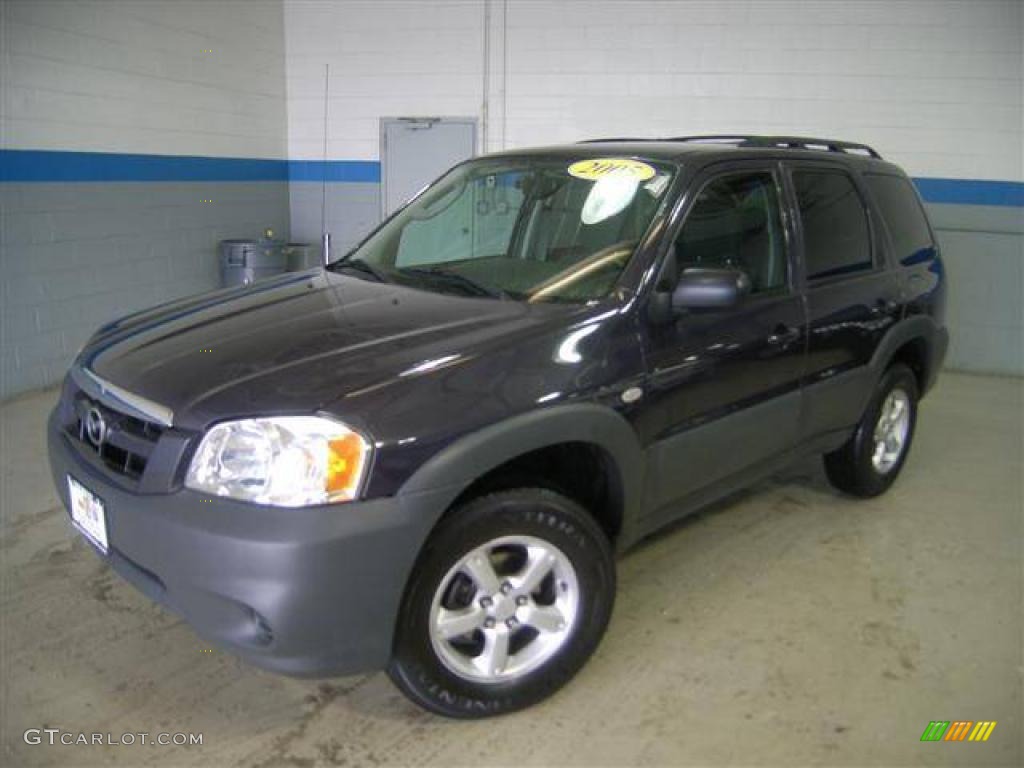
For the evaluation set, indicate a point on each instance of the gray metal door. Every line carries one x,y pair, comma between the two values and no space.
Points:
415,151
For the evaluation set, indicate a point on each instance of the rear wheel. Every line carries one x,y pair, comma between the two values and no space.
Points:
872,458
510,596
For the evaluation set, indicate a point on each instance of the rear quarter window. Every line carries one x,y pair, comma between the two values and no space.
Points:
904,219
837,239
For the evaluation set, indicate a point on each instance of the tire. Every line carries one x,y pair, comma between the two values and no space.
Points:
557,571
861,467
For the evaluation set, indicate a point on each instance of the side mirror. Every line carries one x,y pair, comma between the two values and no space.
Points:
700,288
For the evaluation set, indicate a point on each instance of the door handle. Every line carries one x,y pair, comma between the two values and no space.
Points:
784,334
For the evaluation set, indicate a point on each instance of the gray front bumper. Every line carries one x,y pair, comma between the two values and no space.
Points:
307,592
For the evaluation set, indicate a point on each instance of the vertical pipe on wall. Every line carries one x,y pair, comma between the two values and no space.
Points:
495,32
485,118
504,73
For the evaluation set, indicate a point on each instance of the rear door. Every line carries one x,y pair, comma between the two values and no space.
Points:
852,295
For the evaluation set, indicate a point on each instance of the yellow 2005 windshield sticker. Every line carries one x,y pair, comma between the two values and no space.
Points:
602,167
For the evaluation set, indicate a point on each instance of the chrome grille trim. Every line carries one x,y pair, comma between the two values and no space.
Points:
120,399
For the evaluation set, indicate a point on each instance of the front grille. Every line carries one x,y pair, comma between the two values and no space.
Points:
127,444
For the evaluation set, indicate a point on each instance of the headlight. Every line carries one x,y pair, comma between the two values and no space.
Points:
287,461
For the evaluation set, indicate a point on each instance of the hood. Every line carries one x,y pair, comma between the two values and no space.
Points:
296,343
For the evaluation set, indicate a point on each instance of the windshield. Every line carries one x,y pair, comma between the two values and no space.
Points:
527,229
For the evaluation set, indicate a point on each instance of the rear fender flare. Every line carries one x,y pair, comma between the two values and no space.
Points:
915,328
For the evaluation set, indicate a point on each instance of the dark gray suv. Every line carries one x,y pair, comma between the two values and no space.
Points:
424,455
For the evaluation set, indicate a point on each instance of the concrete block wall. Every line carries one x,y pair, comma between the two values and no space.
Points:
935,85
387,59
116,120
983,250
75,256
352,209
172,77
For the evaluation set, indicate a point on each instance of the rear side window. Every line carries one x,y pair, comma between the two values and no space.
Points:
901,211
835,224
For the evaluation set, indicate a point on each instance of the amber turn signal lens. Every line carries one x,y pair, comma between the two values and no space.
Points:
345,456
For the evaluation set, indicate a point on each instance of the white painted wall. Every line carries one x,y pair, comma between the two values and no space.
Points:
936,86
165,77
173,77
387,59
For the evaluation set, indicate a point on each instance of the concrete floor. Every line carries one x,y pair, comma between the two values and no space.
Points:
788,627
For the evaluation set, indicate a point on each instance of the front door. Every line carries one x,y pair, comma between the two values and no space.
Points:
723,390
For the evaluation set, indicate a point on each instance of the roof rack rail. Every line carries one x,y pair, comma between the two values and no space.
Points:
787,142
616,138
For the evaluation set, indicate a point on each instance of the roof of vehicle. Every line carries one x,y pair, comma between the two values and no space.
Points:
714,146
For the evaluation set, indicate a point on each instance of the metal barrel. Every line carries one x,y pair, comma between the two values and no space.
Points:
245,261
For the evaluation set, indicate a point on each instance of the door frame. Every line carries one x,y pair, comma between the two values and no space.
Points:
383,145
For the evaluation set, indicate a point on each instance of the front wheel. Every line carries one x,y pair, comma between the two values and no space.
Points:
872,458
509,598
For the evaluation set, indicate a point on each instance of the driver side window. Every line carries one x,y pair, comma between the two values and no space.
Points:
735,223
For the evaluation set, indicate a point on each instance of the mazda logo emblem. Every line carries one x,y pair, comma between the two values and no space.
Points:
95,427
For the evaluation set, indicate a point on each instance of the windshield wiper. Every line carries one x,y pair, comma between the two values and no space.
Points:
454,279
361,265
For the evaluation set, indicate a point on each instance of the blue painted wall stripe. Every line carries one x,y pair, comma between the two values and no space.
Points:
29,165
971,191
44,165
334,170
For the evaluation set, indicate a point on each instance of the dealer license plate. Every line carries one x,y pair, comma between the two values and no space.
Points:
87,513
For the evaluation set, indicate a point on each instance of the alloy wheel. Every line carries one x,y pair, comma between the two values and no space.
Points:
891,431
504,609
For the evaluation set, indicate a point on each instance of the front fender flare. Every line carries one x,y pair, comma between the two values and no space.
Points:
455,467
